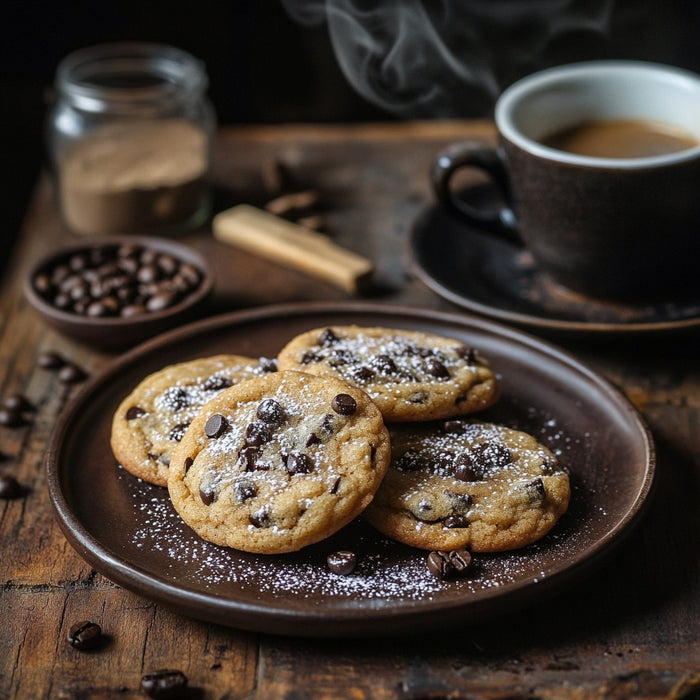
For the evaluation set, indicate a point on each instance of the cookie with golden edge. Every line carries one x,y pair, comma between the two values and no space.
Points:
466,484
279,462
410,375
152,419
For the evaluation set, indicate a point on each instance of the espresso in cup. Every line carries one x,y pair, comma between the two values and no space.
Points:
621,138
598,165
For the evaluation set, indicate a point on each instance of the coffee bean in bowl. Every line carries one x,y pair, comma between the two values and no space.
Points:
115,292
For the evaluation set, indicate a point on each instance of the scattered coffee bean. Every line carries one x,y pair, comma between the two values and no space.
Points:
446,565
215,426
11,417
342,562
17,402
71,374
164,684
344,404
10,488
85,636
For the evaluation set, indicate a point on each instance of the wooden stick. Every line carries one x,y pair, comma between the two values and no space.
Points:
289,244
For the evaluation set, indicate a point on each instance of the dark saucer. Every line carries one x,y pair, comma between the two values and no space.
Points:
493,277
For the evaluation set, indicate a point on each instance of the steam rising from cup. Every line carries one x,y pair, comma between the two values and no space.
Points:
446,58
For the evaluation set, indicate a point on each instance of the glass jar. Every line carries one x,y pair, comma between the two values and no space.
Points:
130,139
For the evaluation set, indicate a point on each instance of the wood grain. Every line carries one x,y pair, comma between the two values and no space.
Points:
630,630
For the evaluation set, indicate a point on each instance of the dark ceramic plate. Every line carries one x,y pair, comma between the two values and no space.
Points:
490,276
128,531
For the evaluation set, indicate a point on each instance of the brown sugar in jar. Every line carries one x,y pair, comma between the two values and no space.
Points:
130,139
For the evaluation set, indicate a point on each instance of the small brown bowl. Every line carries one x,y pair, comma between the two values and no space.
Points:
114,299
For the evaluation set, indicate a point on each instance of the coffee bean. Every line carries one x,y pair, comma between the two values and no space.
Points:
299,463
344,404
103,282
50,360
164,684
439,565
71,374
446,565
11,417
270,411
215,426
10,488
85,636
342,562
134,412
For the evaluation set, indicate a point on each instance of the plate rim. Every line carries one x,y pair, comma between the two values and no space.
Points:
305,623
558,325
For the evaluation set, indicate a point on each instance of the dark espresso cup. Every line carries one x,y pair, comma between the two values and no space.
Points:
598,166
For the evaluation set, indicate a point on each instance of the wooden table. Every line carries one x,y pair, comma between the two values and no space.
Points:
630,630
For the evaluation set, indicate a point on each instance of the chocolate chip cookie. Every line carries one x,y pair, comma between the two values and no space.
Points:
410,375
152,419
466,484
279,462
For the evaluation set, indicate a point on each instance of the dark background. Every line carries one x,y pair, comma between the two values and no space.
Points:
263,66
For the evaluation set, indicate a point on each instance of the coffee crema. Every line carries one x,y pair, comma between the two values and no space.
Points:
621,138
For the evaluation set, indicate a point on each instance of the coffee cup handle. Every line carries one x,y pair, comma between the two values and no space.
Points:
500,220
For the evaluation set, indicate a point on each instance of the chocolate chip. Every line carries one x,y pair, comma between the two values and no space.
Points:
409,461
175,398
384,364
10,488
344,404
363,374
208,495
135,412
71,374
327,424
299,463
50,360
313,439
308,357
271,412
453,521
164,458
453,426
178,431
244,490
249,455
335,485
215,426
188,463
164,684
435,368
491,454
327,337
11,417
85,636
342,562
468,354
341,357
464,468
257,433
268,364
460,501
536,489
260,518
217,383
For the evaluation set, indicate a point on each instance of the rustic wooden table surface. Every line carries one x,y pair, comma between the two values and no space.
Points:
630,630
